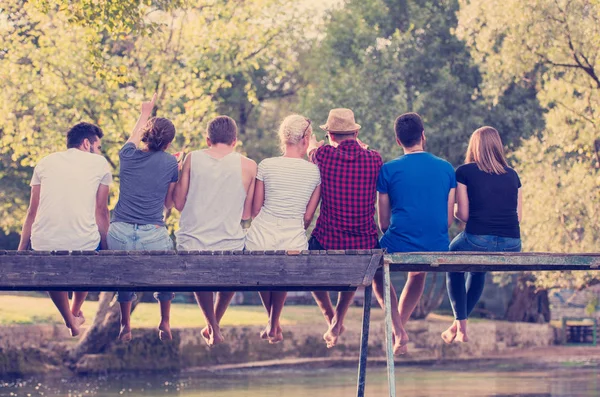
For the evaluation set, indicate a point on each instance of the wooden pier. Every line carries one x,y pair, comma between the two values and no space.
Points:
260,271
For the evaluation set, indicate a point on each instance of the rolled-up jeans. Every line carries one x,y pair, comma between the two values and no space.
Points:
465,295
135,237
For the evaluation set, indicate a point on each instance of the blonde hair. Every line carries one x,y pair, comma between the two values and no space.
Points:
293,129
486,150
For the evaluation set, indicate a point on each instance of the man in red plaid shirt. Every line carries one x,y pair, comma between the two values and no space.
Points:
348,190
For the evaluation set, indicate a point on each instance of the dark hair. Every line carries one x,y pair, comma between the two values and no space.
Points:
158,133
82,131
222,129
409,129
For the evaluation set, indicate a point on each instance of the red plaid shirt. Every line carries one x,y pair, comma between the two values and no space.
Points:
348,188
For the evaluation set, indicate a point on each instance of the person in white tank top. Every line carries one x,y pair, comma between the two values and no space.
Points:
214,194
286,196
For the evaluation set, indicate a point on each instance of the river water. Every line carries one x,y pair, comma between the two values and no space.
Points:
333,382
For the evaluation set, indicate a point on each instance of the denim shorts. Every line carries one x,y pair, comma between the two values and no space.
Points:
133,237
485,243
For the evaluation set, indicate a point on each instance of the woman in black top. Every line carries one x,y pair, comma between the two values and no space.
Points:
488,198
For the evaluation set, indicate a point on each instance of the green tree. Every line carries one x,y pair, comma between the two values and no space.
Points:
553,44
192,57
382,58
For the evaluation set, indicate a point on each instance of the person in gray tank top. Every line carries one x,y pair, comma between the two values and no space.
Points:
214,195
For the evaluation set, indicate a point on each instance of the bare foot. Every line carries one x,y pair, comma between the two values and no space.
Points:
206,335
164,331
401,343
76,323
215,337
449,335
125,334
264,334
461,336
332,335
275,335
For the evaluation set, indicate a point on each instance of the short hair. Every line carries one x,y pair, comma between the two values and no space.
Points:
293,129
222,129
409,129
158,133
82,131
486,150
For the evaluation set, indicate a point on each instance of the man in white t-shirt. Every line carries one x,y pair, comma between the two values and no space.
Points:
68,209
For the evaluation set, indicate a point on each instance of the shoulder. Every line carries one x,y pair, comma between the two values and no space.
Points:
511,171
467,168
267,162
325,149
167,158
248,164
375,155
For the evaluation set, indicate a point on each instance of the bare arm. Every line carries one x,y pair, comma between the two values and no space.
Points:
313,145
146,112
311,208
102,214
181,190
250,169
520,206
259,197
451,201
34,203
169,198
462,203
384,212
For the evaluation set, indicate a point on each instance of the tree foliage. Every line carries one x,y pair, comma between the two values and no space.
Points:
382,58
554,44
65,62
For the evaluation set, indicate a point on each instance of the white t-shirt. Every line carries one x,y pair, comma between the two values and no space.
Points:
289,184
66,216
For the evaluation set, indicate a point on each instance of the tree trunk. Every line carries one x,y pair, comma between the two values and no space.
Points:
105,329
432,298
528,304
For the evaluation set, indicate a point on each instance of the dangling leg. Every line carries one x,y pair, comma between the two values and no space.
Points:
337,324
275,333
212,333
267,300
61,301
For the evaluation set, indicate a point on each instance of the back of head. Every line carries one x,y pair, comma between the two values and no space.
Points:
158,133
293,129
409,129
82,131
486,150
222,129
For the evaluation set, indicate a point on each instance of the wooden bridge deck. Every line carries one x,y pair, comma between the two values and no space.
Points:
260,270
188,270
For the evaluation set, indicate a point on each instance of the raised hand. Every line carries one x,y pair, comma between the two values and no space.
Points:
147,107
314,144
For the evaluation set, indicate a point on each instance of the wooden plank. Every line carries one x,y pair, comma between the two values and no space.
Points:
111,270
483,261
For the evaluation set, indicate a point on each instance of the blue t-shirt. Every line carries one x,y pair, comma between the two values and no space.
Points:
145,179
418,185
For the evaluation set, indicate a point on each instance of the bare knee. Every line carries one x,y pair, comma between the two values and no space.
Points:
417,276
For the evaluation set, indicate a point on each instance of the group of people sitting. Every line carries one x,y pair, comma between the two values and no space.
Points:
417,197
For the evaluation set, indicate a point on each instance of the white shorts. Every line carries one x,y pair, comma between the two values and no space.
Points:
268,232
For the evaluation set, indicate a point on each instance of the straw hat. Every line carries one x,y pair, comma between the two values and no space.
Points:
341,121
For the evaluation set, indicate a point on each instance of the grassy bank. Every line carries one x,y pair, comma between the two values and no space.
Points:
16,309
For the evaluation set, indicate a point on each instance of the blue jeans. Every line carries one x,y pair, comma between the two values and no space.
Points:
464,296
132,237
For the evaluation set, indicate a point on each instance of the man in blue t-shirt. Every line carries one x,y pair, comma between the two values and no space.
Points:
415,208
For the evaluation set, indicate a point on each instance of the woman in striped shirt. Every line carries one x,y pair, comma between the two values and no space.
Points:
286,196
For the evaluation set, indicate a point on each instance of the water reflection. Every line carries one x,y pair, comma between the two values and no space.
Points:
335,382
